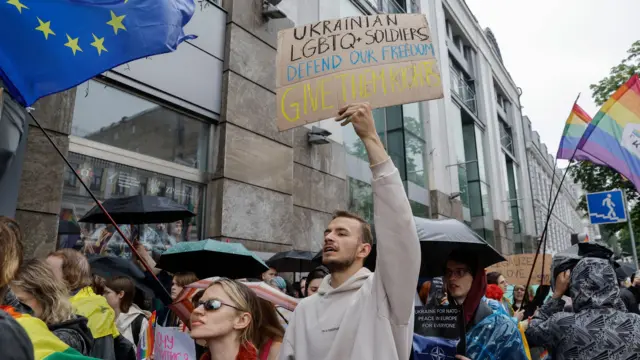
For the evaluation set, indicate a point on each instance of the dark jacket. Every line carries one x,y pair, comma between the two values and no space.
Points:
629,300
600,327
75,333
14,341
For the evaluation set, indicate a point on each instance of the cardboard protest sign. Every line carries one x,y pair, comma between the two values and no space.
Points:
172,344
517,268
386,59
441,331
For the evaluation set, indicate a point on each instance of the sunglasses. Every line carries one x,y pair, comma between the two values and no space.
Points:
214,304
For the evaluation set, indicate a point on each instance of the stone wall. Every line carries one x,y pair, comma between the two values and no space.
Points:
443,206
270,190
43,170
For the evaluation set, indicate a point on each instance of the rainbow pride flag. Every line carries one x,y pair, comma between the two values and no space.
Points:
46,345
612,137
145,345
574,128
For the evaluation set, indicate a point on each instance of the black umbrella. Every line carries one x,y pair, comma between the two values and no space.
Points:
112,266
569,257
68,228
292,261
439,238
624,268
139,209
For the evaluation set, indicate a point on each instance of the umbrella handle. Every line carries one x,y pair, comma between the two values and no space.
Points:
95,199
282,316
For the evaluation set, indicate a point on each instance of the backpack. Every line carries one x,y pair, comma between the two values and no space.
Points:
136,326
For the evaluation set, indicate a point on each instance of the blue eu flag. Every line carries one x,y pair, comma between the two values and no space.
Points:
48,46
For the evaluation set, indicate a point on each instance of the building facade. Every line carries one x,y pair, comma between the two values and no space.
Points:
566,219
198,126
462,156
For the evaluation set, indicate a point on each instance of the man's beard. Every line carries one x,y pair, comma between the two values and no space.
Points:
339,265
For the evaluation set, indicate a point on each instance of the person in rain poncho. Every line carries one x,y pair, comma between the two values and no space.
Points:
357,314
489,334
599,328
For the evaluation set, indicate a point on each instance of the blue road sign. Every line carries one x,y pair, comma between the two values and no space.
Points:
606,207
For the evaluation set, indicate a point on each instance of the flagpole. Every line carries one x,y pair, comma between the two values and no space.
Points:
631,234
95,199
550,206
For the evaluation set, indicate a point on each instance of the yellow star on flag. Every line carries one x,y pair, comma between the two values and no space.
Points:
45,27
116,22
73,44
18,5
98,43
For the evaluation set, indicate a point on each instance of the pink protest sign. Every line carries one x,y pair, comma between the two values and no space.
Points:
172,344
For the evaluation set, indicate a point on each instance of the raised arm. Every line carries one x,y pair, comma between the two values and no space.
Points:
398,256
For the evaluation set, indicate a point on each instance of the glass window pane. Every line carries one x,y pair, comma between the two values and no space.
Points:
480,153
394,117
412,120
475,199
108,180
396,151
416,160
113,117
361,199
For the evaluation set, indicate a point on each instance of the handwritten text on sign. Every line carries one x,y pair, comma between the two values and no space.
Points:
173,344
383,59
517,268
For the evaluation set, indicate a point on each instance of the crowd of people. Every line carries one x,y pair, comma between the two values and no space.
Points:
345,310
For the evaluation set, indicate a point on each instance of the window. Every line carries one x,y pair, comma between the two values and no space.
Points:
107,180
361,199
462,86
117,118
506,137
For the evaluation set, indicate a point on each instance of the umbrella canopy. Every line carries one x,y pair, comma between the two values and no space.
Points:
292,261
626,269
139,209
439,238
209,258
68,228
569,257
112,266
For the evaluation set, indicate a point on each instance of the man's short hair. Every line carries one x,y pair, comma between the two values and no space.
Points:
365,228
10,250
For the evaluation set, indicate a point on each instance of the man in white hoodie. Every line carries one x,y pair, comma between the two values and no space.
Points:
357,314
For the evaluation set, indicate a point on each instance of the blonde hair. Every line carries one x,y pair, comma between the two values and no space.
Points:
244,299
75,268
36,278
10,249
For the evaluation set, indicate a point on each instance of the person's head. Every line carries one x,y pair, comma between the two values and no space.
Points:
36,286
278,283
266,324
496,278
224,313
303,283
314,279
175,228
593,286
10,251
459,273
119,292
518,293
347,242
269,274
180,280
72,267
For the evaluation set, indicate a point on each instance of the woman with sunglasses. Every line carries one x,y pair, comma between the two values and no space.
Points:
224,321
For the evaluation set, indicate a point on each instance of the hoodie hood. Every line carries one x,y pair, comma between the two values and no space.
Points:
594,286
352,284
124,320
79,325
